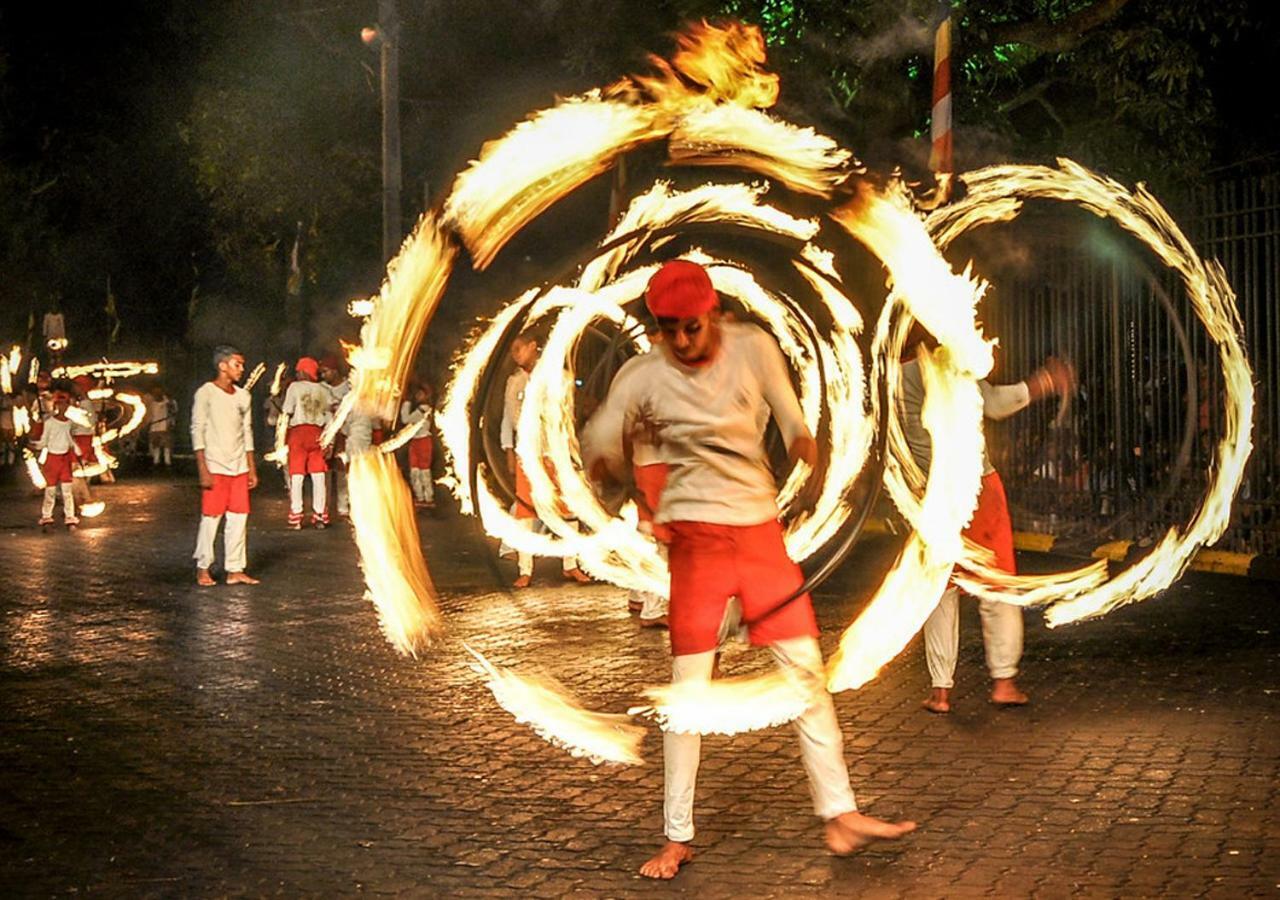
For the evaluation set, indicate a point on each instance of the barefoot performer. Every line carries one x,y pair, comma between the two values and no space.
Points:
705,399
991,527
222,437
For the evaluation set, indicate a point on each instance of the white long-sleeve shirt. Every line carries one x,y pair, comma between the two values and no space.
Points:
999,401
161,414
512,401
308,403
56,437
421,414
707,424
222,426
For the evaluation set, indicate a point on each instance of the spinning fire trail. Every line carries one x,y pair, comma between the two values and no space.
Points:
707,106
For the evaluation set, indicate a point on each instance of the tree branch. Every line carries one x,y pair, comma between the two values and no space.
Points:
1058,37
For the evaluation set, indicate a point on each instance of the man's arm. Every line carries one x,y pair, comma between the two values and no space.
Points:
775,381
199,428
605,436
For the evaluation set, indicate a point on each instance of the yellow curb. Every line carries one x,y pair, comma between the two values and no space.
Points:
1222,561
1115,551
1030,540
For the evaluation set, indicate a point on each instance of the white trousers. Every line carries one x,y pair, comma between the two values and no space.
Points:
821,745
233,541
317,493
423,487
158,451
68,503
525,560
1001,637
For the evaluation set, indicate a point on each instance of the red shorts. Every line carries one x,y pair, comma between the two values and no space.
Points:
650,480
87,454
420,452
524,493
57,468
230,493
711,563
991,526
305,455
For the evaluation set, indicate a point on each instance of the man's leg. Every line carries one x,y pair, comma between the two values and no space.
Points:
204,548
234,542
69,505
569,565
46,506
681,754
155,452
941,647
319,500
340,479
295,500
168,453
1002,639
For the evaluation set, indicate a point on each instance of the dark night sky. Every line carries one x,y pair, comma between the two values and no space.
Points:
93,103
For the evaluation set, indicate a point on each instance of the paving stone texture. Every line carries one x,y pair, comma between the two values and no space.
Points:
164,740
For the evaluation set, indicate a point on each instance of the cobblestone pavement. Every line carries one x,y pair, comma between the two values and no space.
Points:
163,740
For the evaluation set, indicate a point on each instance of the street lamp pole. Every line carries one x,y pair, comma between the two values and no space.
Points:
389,32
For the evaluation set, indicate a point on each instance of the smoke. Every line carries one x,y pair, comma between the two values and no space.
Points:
906,36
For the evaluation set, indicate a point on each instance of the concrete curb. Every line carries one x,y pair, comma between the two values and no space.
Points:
1223,562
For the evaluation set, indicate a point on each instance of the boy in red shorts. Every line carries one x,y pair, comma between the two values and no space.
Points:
308,404
58,452
222,437
705,399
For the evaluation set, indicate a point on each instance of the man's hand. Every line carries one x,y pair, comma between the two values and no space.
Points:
253,471
1056,376
206,480
804,448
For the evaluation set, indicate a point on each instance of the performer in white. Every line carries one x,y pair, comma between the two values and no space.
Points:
58,451
339,385
991,527
222,438
419,411
705,400
308,405
162,415
524,352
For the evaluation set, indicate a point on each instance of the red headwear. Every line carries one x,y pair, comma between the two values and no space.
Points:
84,382
309,367
679,290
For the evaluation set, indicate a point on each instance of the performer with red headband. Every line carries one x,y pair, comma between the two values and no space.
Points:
991,527
308,404
418,411
222,438
58,450
705,399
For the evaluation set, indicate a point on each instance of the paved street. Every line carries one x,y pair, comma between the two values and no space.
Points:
164,740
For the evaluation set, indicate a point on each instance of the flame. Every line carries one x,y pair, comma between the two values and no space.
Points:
110,371
21,421
277,380
33,468
34,371
391,554
558,718
727,705
258,371
361,307
92,509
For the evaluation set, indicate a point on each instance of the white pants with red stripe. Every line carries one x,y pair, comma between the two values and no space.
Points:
821,744
318,498
68,504
1001,637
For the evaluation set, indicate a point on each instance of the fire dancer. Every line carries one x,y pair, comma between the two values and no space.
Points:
419,411
524,352
991,527
706,398
307,403
58,449
162,413
333,377
222,437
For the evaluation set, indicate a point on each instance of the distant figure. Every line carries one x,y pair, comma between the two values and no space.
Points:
222,437
334,378
307,403
8,430
162,413
58,451
420,412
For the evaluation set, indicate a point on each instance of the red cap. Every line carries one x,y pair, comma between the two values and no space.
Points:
84,382
679,290
309,367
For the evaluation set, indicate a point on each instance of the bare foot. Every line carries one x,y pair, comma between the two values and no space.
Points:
1005,692
522,582
852,831
577,575
241,578
204,579
668,861
659,622
939,701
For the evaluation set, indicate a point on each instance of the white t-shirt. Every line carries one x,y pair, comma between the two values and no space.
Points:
56,436
421,414
512,401
222,426
308,403
999,401
160,414
707,424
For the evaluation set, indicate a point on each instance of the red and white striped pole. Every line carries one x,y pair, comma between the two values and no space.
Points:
940,154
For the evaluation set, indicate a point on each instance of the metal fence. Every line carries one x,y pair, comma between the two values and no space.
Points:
1131,455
